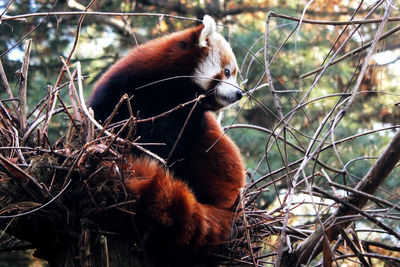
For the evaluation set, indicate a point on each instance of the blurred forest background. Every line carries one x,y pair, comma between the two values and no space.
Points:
345,121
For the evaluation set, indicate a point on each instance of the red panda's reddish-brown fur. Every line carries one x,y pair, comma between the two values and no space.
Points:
181,227
186,209
170,56
146,58
218,174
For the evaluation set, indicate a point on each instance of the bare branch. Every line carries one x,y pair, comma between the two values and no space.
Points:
23,86
7,85
369,184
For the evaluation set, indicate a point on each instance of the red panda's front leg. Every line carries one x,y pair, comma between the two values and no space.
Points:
168,204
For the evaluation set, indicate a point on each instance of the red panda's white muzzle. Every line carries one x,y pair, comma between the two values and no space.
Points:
228,92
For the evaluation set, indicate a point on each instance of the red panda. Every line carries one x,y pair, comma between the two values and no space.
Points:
189,206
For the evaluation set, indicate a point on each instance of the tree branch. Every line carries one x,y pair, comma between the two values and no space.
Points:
369,184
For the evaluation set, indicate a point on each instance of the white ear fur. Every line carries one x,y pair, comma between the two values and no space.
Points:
208,30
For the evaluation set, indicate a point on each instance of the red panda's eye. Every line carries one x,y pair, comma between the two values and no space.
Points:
227,73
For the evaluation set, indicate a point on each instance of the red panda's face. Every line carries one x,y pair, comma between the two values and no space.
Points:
217,71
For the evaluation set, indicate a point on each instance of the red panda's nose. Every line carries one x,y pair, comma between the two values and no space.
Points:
239,94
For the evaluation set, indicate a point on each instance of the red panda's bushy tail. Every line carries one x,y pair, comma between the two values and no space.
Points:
169,204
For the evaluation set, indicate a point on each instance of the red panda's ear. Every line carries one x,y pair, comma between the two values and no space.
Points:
208,30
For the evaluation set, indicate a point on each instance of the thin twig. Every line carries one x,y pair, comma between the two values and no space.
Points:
371,197
351,53
7,85
98,125
95,13
354,208
354,203
17,172
38,208
331,22
354,248
23,86
6,8
198,99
